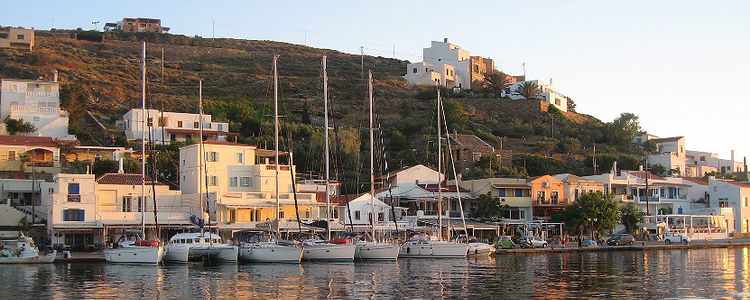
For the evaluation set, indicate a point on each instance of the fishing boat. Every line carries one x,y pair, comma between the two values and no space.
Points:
263,248
183,247
138,250
374,250
23,251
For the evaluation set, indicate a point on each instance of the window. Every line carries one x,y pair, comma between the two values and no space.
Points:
179,124
74,215
448,72
220,127
357,215
723,202
703,158
245,181
233,181
426,70
518,193
281,214
381,217
553,196
239,157
140,204
11,155
74,194
514,213
540,196
195,125
213,180
501,193
150,122
127,204
476,156
414,71
746,204
20,36
212,156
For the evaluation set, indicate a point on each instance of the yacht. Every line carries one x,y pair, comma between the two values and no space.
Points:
477,248
423,247
258,247
369,250
23,251
195,245
321,250
130,248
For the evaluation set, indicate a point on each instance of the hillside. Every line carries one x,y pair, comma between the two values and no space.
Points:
104,79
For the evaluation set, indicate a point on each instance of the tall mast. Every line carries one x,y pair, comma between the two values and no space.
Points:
143,139
372,162
440,158
455,175
201,154
325,111
276,137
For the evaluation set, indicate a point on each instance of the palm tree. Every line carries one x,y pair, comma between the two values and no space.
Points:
528,90
495,83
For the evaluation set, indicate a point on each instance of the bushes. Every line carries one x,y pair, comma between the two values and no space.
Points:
16,126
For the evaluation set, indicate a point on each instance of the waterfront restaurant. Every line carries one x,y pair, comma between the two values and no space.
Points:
696,227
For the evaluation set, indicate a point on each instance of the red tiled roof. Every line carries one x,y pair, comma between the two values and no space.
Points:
696,180
666,140
511,186
433,187
196,131
737,183
40,141
123,179
469,140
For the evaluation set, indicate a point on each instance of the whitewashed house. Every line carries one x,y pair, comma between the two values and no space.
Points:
547,92
668,194
361,209
734,195
173,126
699,163
37,102
448,65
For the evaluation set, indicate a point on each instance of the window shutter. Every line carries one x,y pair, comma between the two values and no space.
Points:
81,215
66,215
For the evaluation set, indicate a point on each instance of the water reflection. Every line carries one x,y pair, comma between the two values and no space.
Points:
625,274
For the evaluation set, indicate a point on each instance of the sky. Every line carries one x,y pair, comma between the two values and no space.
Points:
681,66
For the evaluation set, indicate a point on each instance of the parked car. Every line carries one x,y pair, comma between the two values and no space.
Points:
532,242
505,242
589,243
675,237
620,239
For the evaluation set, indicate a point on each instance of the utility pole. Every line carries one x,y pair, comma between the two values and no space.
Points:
213,31
648,210
593,159
162,66
362,52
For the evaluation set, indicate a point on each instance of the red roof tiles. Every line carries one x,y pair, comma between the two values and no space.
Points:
40,141
122,179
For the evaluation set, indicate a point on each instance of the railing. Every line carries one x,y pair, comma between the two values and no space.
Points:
29,108
74,197
650,199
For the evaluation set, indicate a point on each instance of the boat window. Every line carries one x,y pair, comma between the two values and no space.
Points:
198,240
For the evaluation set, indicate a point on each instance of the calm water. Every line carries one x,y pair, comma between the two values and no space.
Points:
626,274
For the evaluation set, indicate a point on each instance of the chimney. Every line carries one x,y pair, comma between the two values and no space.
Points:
732,156
744,163
445,40
455,134
54,76
120,168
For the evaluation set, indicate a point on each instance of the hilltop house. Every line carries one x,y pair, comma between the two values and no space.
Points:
17,38
547,93
138,25
670,153
36,102
173,126
468,149
699,163
448,65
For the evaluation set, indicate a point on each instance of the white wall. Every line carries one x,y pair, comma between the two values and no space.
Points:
737,197
132,122
37,102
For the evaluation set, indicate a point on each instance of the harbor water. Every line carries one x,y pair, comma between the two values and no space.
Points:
712,273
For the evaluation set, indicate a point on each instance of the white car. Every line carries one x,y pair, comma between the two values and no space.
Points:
675,237
532,242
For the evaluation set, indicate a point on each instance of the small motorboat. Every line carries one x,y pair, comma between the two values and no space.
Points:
23,251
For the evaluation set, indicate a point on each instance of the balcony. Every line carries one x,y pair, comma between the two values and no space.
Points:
550,202
650,199
74,197
30,108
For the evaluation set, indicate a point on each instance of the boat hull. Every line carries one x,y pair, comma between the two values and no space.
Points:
376,251
40,259
329,252
480,250
176,254
270,253
134,255
433,250
224,253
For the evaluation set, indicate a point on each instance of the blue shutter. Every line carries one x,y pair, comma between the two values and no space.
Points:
66,215
501,192
519,193
81,214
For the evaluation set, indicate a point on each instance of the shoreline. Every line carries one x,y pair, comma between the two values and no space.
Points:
638,246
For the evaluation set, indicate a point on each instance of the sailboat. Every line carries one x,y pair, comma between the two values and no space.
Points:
421,245
325,250
138,250
204,244
373,250
266,249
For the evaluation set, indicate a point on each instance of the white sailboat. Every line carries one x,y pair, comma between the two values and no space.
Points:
421,245
23,251
204,244
271,251
324,250
374,250
138,251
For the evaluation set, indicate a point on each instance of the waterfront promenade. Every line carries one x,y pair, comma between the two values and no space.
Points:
637,246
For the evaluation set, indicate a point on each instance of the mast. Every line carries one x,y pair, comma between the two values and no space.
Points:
201,154
325,111
440,158
276,136
143,140
372,161
455,175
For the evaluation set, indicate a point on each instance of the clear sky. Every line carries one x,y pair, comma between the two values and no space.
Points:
682,66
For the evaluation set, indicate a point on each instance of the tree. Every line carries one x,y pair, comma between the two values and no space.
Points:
486,207
657,169
630,216
623,129
592,210
569,145
16,126
454,114
104,166
527,89
495,83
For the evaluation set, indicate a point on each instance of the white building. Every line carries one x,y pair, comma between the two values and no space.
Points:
511,191
240,184
448,65
733,194
173,126
547,92
362,209
670,153
699,163
81,210
668,194
37,102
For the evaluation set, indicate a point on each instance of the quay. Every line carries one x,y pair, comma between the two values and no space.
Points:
637,246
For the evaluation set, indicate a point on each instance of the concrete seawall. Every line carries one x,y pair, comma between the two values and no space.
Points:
637,246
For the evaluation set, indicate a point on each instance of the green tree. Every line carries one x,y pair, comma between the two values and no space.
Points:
623,129
74,97
630,216
495,83
131,165
488,208
657,169
546,145
104,166
592,210
569,145
454,114
16,126
527,89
